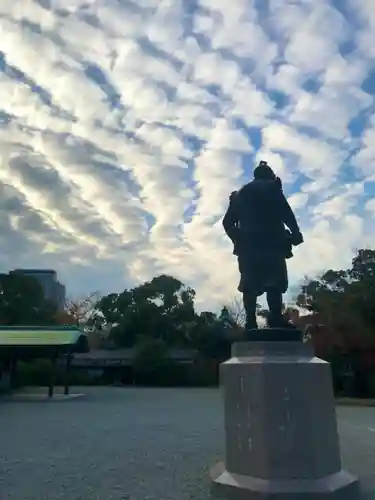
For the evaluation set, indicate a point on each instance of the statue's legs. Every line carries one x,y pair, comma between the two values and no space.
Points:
276,319
275,305
250,306
260,273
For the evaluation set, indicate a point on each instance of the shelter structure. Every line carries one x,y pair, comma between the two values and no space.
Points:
24,343
117,365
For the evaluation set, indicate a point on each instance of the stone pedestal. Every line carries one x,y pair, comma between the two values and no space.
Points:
280,426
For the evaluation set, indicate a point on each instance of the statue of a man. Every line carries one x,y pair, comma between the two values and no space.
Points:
255,222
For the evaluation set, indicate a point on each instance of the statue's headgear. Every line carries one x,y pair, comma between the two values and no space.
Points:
264,171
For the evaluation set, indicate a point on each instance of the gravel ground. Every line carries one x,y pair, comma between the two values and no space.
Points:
135,444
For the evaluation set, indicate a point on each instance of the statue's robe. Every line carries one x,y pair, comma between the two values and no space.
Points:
255,222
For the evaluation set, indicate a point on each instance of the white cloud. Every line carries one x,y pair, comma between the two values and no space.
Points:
125,126
365,158
298,200
316,158
338,106
370,206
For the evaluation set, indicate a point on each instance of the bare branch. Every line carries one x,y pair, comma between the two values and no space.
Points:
237,311
82,309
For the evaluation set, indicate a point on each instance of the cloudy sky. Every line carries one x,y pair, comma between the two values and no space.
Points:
124,126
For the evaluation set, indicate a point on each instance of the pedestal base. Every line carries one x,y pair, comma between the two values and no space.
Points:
280,425
337,486
274,335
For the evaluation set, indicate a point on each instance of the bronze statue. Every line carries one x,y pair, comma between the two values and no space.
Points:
255,222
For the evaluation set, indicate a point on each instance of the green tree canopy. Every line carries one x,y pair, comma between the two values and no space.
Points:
207,334
157,309
22,302
161,310
344,299
150,355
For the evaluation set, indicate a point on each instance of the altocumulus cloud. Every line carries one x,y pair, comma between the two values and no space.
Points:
125,125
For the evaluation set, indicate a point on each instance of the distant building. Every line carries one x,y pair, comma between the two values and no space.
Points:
60,295
53,289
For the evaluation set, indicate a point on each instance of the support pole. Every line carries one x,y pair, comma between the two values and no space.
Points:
69,358
52,376
12,373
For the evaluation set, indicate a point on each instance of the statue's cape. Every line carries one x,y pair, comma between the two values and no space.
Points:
257,206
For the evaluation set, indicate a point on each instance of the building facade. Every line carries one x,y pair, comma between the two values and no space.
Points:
53,289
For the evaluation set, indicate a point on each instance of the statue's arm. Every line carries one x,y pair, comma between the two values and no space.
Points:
288,216
230,222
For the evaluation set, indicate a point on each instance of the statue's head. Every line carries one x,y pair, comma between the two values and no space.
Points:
264,171
232,195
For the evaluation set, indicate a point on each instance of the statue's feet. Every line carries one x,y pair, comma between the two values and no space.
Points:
279,322
251,325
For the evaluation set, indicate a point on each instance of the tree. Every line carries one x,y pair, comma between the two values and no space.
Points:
64,318
362,277
81,311
208,335
22,302
151,356
340,300
341,303
156,309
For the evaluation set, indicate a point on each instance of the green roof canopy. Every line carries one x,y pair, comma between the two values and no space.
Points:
65,338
